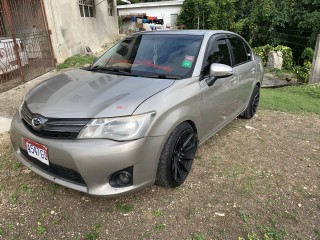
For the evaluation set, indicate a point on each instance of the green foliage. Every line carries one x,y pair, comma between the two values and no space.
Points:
286,55
263,52
198,237
124,208
94,233
76,61
303,72
275,22
120,22
317,234
307,54
160,227
294,99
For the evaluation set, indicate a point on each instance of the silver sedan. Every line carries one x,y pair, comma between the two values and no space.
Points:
137,115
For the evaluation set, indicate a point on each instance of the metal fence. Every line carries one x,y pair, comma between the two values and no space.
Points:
25,45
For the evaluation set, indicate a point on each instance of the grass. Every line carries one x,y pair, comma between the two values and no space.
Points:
198,237
158,213
41,229
318,234
160,227
243,216
293,99
124,208
294,215
76,61
94,233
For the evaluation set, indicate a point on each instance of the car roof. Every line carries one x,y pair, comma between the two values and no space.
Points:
185,32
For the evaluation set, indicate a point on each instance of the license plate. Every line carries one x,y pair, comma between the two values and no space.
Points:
36,150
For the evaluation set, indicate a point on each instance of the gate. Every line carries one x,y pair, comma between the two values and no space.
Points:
25,45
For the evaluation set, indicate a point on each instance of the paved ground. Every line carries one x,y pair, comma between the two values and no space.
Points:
11,100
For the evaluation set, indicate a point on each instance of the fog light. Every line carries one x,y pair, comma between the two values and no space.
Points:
122,178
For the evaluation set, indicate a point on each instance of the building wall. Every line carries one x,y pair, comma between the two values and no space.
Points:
166,10
71,33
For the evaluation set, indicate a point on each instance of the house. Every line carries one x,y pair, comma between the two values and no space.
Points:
79,26
145,16
46,32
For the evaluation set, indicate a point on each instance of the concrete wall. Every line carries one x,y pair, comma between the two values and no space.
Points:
163,10
71,33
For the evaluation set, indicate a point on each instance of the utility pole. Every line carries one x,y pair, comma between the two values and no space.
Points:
315,70
198,22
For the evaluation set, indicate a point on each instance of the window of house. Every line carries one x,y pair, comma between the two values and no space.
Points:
86,8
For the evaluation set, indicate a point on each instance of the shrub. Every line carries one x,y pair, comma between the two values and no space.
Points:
286,54
307,54
263,52
303,72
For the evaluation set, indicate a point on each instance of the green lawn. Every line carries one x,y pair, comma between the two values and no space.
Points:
293,99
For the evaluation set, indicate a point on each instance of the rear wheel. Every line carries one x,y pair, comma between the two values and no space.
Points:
253,104
177,156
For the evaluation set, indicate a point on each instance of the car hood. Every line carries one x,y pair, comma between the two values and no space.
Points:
84,94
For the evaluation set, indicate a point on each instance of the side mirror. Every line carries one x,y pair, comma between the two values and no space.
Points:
217,71
220,70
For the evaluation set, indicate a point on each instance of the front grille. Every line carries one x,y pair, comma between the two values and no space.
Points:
55,170
57,128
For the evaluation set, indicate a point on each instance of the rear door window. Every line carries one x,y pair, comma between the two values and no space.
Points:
239,50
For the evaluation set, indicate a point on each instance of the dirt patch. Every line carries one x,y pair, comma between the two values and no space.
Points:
257,178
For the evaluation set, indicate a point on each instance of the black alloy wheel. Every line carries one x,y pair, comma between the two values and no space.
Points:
177,156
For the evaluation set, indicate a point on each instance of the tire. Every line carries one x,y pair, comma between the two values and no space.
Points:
177,156
252,107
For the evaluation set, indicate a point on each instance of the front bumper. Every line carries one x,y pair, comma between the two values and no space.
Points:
94,160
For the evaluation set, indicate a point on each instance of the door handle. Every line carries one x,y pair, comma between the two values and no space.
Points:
233,80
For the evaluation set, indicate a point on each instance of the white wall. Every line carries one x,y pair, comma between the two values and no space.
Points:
161,10
71,32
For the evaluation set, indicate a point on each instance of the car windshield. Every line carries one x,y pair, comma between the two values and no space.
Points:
152,55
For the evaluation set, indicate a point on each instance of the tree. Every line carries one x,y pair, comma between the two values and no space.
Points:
293,23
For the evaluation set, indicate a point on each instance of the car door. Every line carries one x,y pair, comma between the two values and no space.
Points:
243,63
218,100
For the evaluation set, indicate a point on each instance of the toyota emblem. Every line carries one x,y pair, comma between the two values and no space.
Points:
36,124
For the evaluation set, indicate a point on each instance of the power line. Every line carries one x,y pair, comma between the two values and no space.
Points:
296,36
294,43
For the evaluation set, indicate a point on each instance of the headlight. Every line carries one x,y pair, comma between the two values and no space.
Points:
119,129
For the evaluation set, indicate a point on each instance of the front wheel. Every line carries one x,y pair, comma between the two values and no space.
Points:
177,156
252,107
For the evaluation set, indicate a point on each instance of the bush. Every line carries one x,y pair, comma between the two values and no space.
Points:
286,54
307,54
263,52
303,72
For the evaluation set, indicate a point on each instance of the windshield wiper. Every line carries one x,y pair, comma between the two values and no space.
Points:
164,76
113,70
